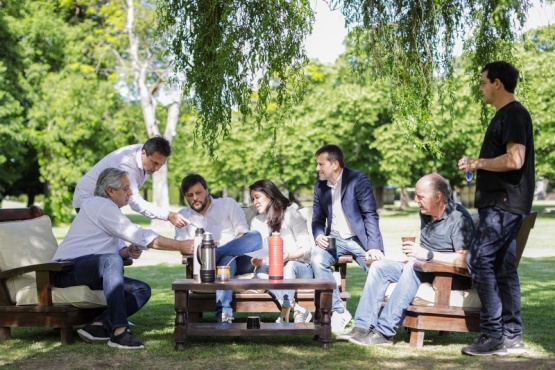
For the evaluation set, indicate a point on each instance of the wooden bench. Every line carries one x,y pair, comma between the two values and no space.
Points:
252,301
45,313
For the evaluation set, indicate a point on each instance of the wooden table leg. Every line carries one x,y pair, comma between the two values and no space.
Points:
317,312
180,328
326,299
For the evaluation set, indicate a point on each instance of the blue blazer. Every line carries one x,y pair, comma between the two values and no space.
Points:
359,205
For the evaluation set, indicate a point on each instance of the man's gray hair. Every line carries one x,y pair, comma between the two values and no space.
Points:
441,186
109,178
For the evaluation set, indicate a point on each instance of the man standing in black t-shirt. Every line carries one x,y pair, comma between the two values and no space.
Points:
504,194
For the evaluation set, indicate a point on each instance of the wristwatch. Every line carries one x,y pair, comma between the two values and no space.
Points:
430,256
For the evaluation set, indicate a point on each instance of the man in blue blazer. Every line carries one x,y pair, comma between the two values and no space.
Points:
345,208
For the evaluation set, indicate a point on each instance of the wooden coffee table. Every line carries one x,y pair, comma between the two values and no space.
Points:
323,290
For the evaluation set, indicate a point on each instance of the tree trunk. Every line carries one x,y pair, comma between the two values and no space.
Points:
378,194
246,196
160,192
404,198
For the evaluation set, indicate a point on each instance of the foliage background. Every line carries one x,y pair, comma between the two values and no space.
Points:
60,111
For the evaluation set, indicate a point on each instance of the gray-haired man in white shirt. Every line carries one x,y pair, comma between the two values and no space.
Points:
95,243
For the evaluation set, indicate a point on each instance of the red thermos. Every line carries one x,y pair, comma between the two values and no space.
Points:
275,245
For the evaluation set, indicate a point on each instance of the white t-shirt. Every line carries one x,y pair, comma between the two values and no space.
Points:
126,159
101,228
224,218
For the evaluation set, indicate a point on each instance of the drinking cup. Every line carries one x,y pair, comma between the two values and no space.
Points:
253,322
223,273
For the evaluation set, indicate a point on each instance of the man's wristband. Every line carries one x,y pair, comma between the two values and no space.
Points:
430,256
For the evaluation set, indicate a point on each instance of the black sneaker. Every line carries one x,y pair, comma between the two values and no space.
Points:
515,346
355,332
125,340
94,334
486,346
372,338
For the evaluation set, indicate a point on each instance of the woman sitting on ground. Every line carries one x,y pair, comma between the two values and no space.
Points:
276,213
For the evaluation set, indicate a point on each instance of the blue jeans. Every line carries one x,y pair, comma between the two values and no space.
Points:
381,274
491,261
247,243
291,270
322,260
124,296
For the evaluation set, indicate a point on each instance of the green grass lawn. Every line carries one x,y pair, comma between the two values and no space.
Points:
33,348
40,348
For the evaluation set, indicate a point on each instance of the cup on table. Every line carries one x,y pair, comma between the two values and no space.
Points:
223,273
253,322
331,244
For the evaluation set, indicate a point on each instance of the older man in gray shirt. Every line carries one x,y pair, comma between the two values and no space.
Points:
445,236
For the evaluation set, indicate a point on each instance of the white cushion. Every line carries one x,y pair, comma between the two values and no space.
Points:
31,242
24,243
426,297
78,296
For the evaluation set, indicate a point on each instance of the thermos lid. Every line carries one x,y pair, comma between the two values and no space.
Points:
207,237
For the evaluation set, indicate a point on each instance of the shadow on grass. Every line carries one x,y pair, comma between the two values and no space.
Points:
41,349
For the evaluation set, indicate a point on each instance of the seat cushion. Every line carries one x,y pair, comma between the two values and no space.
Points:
24,243
425,296
79,296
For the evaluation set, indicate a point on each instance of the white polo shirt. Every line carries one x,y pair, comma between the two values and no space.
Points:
101,228
224,219
127,159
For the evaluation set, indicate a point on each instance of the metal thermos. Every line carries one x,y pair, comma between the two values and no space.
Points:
207,259
275,263
199,232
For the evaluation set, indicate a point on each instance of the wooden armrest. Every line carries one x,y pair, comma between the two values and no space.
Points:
44,279
50,266
347,258
185,258
440,268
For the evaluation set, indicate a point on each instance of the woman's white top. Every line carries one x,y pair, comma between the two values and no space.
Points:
294,231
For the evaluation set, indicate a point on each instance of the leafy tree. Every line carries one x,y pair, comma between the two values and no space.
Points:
536,54
408,42
67,102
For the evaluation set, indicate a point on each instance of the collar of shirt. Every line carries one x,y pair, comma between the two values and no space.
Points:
337,183
449,208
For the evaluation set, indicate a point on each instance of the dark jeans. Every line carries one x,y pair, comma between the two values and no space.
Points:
124,296
491,261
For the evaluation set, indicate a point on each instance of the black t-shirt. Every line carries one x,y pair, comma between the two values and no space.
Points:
512,191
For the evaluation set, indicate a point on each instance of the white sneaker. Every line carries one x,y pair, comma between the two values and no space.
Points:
339,321
281,320
302,316
226,318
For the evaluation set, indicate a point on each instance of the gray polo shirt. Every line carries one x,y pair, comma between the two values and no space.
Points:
452,231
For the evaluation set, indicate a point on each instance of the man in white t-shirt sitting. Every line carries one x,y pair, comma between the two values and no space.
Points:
224,218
